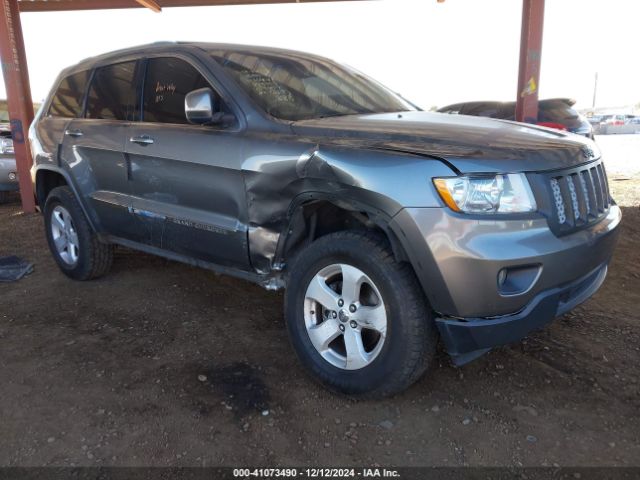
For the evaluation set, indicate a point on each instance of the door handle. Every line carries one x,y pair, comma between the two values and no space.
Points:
142,140
73,133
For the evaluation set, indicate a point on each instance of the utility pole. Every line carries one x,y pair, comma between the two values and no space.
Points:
595,91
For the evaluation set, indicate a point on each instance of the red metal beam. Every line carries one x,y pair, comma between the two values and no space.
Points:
530,57
16,80
62,5
150,4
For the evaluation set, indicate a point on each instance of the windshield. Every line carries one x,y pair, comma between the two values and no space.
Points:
299,87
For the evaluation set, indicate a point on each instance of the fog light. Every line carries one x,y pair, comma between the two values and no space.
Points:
13,176
517,280
502,276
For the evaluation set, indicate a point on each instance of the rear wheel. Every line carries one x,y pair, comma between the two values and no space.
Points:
75,247
358,319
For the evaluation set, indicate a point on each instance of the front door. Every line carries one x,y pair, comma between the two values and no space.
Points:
186,179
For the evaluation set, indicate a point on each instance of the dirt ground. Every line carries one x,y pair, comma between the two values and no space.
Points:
164,364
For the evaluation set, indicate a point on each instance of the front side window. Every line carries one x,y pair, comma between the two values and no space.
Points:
299,87
168,80
112,95
67,101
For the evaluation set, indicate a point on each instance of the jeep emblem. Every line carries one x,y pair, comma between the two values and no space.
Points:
588,152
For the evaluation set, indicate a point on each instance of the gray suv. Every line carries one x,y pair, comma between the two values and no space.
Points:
390,227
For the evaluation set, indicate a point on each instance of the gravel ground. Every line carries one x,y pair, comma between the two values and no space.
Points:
163,364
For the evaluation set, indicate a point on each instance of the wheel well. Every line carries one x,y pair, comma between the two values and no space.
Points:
315,219
47,180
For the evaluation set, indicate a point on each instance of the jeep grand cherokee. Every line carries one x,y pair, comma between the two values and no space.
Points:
390,227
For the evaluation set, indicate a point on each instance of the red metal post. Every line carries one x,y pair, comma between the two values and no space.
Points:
530,55
16,80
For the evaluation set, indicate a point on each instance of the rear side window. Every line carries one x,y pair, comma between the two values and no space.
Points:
67,101
168,81
112,95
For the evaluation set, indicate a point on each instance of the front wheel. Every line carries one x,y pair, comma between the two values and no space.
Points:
358,319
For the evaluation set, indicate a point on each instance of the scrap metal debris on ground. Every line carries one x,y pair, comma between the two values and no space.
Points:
13,268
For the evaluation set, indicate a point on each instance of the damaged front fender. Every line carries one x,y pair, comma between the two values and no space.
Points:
280,176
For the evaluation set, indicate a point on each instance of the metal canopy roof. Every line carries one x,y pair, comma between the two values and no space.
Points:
156,5
16,76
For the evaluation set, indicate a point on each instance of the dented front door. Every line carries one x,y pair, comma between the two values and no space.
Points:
186,179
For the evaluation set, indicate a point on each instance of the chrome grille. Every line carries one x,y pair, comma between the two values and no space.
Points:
582,205
574,198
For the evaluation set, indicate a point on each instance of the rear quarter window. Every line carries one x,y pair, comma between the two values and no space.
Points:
67,101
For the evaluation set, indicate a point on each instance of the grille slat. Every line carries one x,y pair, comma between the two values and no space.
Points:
603,187
605,181
583,197
579,197
589,193
568,200
595,182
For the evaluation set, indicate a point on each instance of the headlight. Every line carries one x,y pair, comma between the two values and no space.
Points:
6,145
508,193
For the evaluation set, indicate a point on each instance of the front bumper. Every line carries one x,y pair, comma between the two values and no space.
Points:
7,171
466,339
458,261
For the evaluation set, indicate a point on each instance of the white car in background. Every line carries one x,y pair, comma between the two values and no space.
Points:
8,171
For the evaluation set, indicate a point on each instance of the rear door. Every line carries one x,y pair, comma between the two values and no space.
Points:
94,148
186,179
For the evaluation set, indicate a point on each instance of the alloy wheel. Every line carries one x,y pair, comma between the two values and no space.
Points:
345,316
64,235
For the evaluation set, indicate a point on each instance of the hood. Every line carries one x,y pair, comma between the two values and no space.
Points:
469,144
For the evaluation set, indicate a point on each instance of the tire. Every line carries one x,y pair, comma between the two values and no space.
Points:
4,197
410,335
84,257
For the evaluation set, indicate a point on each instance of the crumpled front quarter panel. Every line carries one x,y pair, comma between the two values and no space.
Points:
279,169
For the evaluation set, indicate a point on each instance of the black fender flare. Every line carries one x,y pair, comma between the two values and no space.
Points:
377,216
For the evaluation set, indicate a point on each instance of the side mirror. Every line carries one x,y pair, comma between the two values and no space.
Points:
201,107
